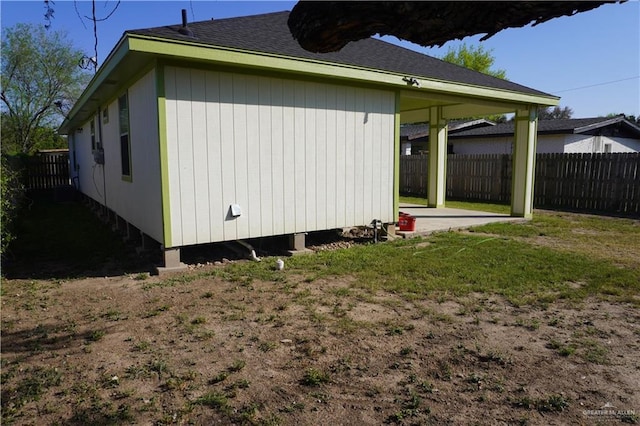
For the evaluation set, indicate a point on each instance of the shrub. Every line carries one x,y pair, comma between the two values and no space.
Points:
11,191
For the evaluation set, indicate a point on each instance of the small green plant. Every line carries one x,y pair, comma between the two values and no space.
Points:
35,383
141,276
237,366
113,315
552,403
96,335
156,311
216,400
313,377
295,406
595,352
220,377
141,346
267,346
238,384
198,320
406,351
563,350
395,330
531,325
158,366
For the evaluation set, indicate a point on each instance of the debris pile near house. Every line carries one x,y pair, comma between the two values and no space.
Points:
218,254
339,239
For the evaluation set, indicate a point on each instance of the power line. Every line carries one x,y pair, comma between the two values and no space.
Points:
598,84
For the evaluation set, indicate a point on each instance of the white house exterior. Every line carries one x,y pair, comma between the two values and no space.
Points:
137,200
282,150
227,130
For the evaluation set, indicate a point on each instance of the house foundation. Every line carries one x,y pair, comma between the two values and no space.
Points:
171,260
297,244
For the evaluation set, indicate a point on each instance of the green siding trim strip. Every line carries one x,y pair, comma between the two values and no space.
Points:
396,159
202,52
164,161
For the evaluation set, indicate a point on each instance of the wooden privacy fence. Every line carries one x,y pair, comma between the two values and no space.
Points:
604,182
45,170
597,182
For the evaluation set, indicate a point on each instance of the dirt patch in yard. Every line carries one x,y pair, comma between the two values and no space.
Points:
202,350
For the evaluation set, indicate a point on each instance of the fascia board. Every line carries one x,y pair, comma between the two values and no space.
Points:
204,52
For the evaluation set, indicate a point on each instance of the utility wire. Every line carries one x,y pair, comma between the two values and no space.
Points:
597,84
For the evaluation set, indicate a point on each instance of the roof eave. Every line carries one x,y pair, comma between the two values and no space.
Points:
193,50
137,44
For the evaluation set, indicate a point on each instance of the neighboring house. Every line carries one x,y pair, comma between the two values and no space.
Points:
580,135
227,129
414,138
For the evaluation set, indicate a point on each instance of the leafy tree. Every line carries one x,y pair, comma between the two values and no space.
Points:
475,58
632,118
40,76
42,137
555,113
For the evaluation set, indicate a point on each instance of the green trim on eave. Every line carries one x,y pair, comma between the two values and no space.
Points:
164,156
396,160
238,57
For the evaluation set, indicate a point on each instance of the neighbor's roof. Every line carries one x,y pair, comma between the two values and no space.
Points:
417,131
269,33
558,126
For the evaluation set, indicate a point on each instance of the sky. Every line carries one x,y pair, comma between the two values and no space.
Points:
591,60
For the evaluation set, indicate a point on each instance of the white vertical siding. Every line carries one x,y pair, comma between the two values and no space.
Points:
214,156
89,175
138,201
296,156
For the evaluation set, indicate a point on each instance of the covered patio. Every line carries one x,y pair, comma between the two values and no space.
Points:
424,102
442,219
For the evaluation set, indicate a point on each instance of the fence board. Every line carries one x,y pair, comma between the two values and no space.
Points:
45,170
592,182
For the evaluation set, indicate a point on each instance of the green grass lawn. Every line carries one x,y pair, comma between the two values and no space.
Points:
547,259
449,265
554,256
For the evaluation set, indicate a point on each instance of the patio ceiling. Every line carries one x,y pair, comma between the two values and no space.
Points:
415,106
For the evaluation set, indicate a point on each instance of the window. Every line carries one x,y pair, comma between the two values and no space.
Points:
105,116
125,148
607,147
93,134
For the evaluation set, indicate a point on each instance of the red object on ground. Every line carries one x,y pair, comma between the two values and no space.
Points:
407,222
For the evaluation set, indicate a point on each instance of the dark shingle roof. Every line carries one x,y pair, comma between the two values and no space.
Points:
269,33
558,126
417,131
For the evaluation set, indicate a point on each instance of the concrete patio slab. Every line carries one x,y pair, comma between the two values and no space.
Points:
429,219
